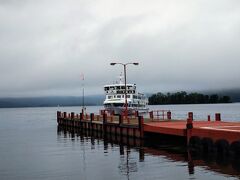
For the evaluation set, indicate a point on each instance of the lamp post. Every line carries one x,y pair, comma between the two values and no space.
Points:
125,82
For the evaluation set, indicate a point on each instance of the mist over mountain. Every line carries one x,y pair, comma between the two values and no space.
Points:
233,93
50,101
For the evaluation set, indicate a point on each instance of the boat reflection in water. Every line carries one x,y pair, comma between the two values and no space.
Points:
225,166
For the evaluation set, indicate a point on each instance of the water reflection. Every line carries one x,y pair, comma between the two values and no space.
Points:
129,147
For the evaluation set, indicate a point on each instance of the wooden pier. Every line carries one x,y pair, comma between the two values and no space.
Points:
206,135
104,123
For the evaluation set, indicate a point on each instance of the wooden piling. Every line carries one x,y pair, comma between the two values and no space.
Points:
217,117
209,118
72,115
169,115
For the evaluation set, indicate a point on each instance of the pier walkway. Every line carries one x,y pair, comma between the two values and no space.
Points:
214,130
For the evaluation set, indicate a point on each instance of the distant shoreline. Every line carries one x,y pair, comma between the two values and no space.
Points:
63,101
102,105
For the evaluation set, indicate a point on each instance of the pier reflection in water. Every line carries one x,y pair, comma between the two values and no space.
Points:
145,159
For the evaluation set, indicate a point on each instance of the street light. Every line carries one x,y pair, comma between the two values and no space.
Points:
125,81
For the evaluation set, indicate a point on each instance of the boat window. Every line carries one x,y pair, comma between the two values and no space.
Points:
122,87
133,91
118,96
128,96
109,97
106,88
118,87
122,96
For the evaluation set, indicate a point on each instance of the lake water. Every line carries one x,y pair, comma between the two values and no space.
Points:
32,146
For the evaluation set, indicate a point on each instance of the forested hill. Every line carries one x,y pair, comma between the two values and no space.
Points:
185,98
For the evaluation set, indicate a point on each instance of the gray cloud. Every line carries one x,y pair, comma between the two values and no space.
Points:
46,45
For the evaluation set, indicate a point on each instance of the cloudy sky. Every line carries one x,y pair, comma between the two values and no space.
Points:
187,45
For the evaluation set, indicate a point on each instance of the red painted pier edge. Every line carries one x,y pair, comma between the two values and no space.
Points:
205,135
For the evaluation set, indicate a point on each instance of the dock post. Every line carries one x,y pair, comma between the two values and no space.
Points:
169,115
189,127
140,126
72,119
151,115
64,115
104,122
92,117
209,118
81,116
217,117
58,116
91,120
120,118
104,118
72,115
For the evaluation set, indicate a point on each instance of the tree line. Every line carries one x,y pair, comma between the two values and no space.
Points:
185,98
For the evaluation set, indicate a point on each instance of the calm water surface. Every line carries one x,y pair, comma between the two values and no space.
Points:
32,146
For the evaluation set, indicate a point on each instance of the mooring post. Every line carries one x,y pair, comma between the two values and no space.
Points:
92,117
72,118
140,126
91,120
151,114
189,126
120,119
81,116
104,122
217,117
169,115
104,118
64,115
209,118
102,112
72,115
58,116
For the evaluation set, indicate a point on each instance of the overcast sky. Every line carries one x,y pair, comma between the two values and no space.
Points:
187,45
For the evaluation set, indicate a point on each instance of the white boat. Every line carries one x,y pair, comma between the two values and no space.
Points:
115,99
